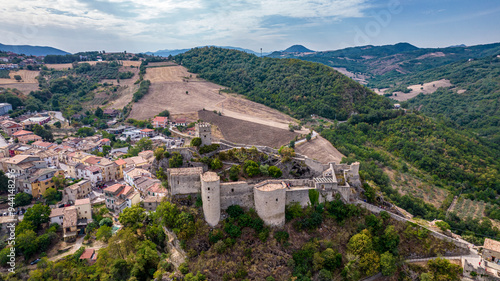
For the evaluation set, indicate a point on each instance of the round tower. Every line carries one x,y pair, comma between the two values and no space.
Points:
270,200
210,196
204,132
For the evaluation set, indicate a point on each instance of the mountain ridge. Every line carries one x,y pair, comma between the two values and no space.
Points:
32,50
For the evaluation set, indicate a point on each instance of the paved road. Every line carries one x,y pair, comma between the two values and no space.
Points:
58,115
3,142
313,135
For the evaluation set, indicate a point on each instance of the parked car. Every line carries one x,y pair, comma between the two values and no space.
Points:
35,261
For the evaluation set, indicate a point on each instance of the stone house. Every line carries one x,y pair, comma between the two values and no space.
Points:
491,257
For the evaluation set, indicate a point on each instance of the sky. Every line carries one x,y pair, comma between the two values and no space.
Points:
140,26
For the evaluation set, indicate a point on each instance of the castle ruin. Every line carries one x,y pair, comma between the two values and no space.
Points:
269,197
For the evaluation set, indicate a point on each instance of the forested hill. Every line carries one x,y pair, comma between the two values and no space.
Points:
296,87
478,108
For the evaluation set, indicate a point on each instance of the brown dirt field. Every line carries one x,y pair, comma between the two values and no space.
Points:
168,91
28,76
428,88
320,149
245,132
130,62
25,88
125,96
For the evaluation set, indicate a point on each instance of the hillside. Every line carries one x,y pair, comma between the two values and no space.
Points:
32,50
471,103
295,87
396,60
317,243
420,149
174,52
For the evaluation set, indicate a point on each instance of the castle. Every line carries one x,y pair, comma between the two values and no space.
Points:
269,197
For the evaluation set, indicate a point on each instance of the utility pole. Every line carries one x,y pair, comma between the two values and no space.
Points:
261,52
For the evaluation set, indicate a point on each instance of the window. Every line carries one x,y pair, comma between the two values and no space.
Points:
276,199
209,188
232,189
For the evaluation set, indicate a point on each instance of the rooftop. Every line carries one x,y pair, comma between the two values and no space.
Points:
84,201
70,216
56,212
492,245
22,132
271,186
114,187
210,176
87,254
186,171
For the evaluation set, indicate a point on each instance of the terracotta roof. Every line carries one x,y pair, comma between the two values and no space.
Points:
492,245
157,188
160,119
120,162
147,130
82,201
152,199
104,140
93,160
22,133
87,254
125,190
93,169
114,187
27,138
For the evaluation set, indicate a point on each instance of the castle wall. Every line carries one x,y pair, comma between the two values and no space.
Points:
270,205
210,196
184,184
314,165
236,193
298,195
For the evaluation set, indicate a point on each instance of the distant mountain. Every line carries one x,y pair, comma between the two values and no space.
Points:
32,50
454,46
174,52
298,49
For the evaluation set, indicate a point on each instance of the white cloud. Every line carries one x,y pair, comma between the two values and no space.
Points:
160,21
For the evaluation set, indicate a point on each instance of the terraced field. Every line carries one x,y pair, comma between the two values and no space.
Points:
469,208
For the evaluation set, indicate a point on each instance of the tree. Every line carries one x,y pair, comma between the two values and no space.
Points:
38,214
85,132
331,259
196,142
60,181
251,168
176,160
120,269
26,242
99,112
387,264
133,216
18,78
275,172
22,199
104,233
164,113
442,269
234,172
444,226
58,124
308,137
106,221
292,144
44,133
4,182
314,197
287,153
215,164
51,194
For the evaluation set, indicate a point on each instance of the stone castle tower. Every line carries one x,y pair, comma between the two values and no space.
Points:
204,132
210,196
